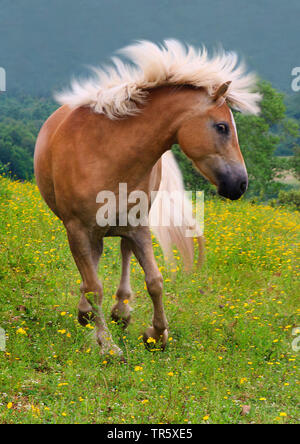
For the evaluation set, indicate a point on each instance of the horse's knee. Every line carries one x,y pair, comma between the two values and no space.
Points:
155,286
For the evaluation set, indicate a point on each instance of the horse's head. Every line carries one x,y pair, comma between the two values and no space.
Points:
209,138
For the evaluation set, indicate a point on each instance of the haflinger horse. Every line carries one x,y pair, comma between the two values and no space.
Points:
118,127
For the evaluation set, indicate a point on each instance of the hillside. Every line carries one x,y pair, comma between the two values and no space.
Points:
43,43
230,324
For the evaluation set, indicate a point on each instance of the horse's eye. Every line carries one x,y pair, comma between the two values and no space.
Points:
222,128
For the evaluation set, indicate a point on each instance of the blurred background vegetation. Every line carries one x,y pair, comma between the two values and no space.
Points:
269,142
40,51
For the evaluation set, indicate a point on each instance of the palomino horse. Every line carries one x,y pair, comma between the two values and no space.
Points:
118,128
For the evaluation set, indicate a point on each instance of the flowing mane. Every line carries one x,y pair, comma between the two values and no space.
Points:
117,90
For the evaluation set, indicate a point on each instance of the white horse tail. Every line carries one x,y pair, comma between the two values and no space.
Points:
168,207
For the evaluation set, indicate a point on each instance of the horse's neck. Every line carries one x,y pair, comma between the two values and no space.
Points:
139,142
161,118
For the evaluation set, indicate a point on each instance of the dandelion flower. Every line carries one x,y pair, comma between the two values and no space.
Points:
151,340
21,331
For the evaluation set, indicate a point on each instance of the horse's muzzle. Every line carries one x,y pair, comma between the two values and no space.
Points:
232,187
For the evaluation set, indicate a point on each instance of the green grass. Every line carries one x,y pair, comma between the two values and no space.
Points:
230,324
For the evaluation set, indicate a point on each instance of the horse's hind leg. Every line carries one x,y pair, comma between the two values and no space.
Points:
86,253
121,310
142,248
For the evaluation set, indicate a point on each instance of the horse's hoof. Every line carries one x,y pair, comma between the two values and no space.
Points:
154,341
123,322
85,318
121,317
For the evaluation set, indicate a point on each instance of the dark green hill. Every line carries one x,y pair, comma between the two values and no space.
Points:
44,42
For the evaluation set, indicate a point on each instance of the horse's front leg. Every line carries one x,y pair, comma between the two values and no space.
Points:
86,252
85,310
121,310
143,250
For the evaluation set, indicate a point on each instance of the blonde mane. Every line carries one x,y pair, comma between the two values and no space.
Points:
117,90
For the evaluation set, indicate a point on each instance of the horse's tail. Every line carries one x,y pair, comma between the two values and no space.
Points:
175,209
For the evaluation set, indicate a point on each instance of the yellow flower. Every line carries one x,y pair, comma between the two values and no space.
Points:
170,374
91,327
9,405
63,313
63,414
149,340
145,401
205,418
21,331
282,414
126,301
138,368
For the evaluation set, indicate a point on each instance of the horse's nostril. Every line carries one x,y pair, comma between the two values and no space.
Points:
243,186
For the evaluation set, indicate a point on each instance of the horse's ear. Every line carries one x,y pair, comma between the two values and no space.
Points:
221,90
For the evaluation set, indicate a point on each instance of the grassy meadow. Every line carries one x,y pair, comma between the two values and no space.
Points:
229,357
